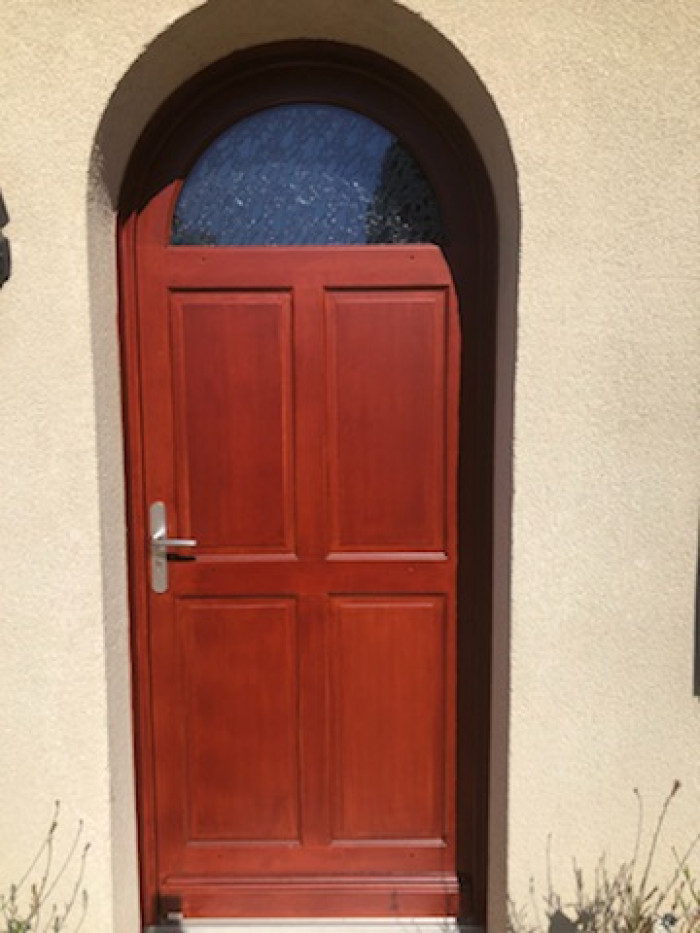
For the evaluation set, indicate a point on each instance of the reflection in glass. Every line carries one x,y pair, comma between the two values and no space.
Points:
306,174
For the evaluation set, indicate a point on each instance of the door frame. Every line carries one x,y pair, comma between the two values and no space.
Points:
385,92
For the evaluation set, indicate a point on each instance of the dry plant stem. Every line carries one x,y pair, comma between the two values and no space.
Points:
618,902
70,903
552,899
29,919
535,908
681,869
640,824
657,832
45,844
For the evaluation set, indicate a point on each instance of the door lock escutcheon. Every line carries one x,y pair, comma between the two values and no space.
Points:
160,543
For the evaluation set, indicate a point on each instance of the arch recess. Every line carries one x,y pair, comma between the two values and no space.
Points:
112,187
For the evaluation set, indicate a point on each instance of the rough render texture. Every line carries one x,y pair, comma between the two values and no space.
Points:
596,561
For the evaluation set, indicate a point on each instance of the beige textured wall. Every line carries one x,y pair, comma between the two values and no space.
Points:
595,575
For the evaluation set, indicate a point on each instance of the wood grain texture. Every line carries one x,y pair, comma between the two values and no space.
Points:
303,664
389,713
233,395
240,706
386,385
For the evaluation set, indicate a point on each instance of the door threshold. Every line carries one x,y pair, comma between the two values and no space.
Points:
318,925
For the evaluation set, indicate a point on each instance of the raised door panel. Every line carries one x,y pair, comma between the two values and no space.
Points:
388,709
386,408
233,711
233,395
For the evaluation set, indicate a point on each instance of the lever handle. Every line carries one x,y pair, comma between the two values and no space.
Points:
159,546
158,540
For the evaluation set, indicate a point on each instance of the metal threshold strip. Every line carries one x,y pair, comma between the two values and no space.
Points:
318,925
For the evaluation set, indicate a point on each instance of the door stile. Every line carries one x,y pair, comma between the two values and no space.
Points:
309,416
142,701
158,434
179,513
453,338
311,499
314,721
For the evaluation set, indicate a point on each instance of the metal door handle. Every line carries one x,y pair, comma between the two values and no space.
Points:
158,540
159,546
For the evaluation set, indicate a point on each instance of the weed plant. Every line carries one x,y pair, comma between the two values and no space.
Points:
30,906
622,900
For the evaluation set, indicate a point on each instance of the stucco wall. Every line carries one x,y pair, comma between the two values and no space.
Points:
594,594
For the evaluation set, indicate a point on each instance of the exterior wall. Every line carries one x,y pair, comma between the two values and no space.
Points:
596,559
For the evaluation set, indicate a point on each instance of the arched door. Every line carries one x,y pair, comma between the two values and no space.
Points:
297,393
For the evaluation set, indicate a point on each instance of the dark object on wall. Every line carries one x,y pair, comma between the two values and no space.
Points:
4,244
560,923
696,672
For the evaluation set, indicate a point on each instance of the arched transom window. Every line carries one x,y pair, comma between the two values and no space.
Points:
306,174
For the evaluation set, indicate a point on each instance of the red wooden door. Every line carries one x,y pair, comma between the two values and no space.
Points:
295,407
300,421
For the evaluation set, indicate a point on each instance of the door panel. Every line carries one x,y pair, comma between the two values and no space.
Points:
388,706
386,384
300,412
233,397
240,701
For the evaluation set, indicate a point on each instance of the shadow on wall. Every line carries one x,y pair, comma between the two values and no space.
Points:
219,28
211,32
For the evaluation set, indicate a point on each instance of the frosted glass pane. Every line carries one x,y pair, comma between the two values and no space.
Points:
305,174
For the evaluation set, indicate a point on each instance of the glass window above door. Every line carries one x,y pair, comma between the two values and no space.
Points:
303,175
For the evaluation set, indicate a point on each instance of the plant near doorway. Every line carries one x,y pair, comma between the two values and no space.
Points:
30,905
622,900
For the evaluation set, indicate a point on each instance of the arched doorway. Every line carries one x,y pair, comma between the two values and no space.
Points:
311,689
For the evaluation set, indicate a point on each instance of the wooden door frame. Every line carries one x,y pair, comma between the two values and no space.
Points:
331,73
